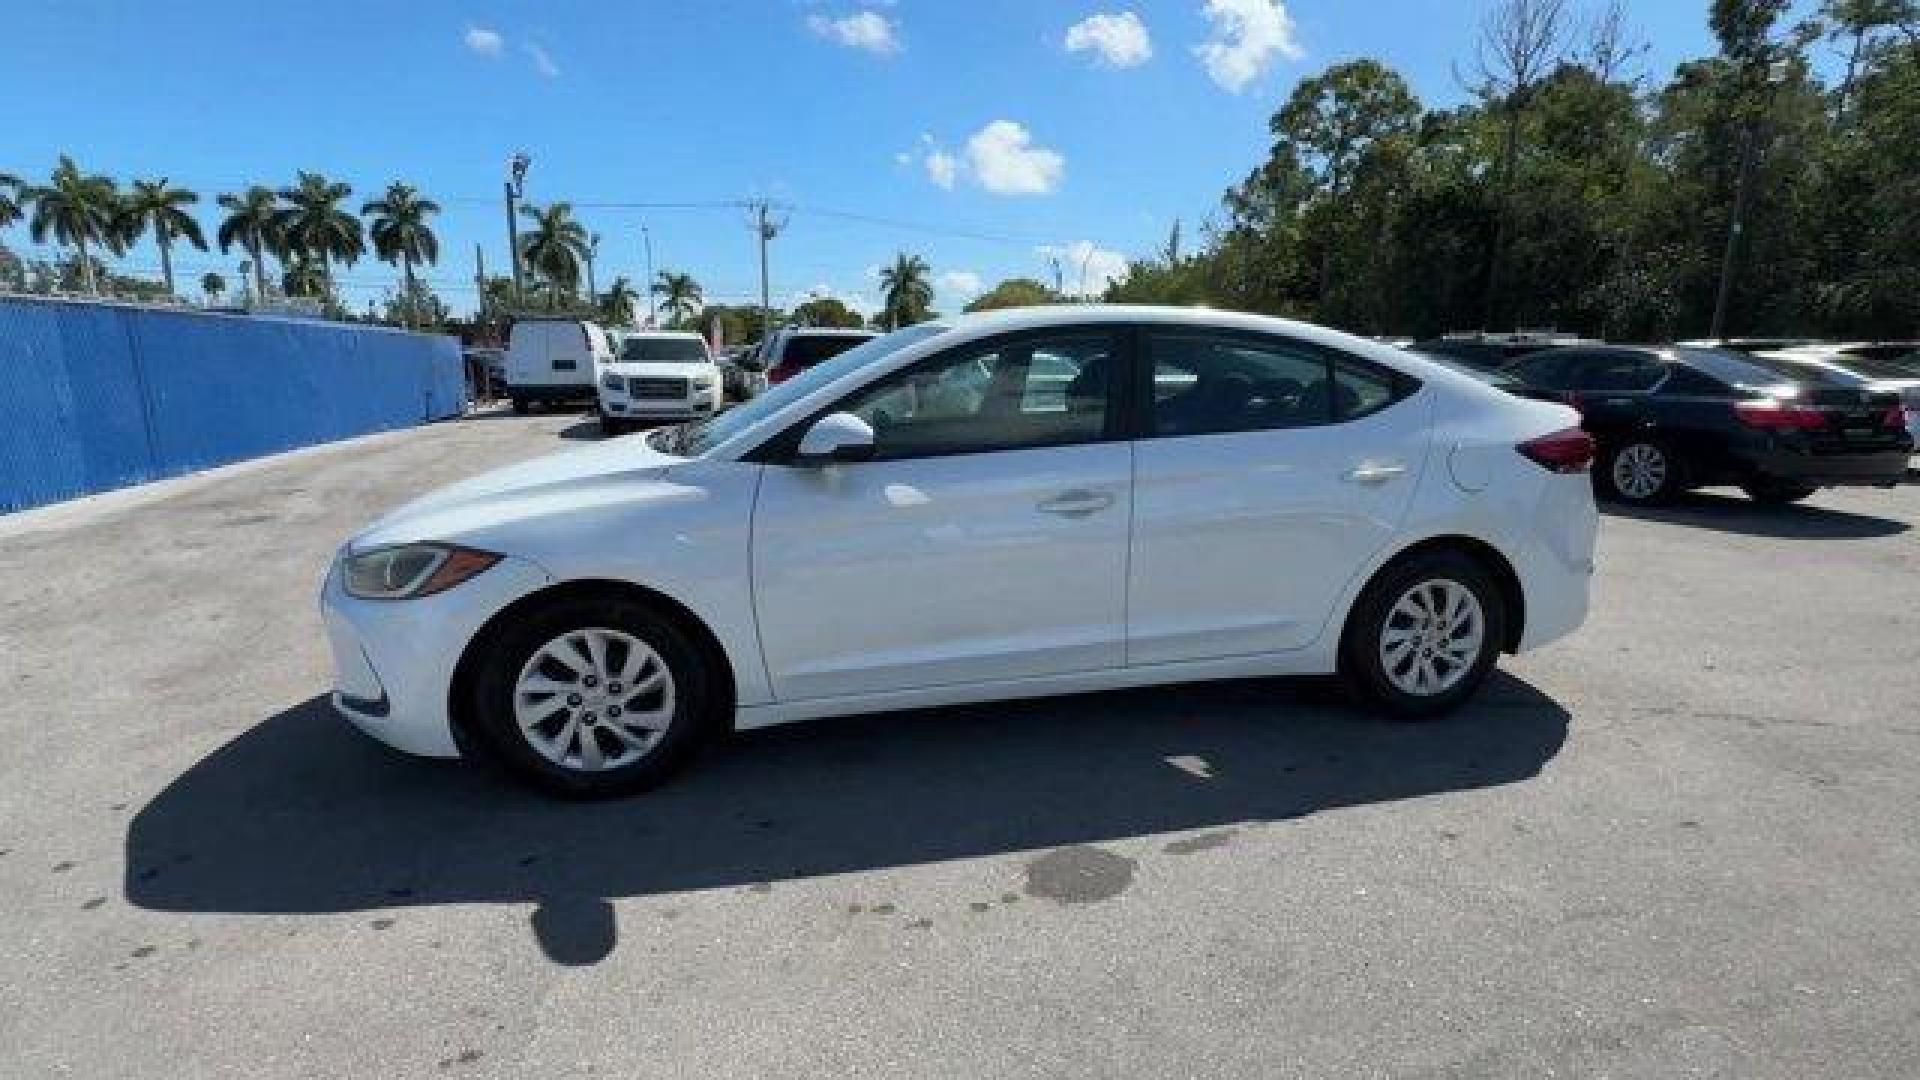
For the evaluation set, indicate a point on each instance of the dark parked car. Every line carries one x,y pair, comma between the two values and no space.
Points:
1490,352
794,349
1671,418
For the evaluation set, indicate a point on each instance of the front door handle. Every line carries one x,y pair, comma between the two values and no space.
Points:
1374,474
1077,503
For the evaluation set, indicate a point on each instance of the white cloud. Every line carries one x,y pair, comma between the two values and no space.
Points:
942,168
1003,159
865,29
903,158
959,282
543,61
1086,268
481,40
1120,40
1246,36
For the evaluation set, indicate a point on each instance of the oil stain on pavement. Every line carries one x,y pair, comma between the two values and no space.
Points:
1079,875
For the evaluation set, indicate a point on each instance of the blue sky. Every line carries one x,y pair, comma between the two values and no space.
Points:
969,126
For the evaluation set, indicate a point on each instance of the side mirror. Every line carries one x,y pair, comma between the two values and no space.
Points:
837,437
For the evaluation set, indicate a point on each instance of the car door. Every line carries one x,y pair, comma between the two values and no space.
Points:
986,540
1269,471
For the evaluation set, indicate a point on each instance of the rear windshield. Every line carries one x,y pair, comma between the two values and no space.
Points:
806,350
1739,369
1881,366
663,351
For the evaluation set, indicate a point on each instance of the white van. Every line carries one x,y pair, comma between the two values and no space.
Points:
658,375
553,360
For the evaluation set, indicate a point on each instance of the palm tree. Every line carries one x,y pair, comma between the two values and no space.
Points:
152,204
908,290
401,231
253,222
679,294
555,247
305,276
76,209
10,199
617,305
213,285
314,224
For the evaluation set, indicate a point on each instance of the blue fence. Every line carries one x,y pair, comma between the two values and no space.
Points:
97,396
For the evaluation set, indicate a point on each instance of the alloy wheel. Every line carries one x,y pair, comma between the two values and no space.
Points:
594,699
1640,471
1432,637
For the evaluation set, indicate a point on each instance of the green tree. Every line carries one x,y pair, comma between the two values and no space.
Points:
313,223
155,205
213,285
827,311
402,231
253,222
679,294
617,305
555,248
78,210
10,199
416,306
305,276
1012,293
906,289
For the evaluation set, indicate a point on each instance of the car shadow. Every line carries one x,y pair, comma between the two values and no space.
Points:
302,814
1738,514
584,430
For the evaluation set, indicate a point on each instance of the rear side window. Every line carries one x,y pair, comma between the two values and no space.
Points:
806,350
1617,373
1547,372
1206,384
1684,381
1738,369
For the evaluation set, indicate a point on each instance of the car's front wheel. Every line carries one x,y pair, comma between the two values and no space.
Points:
1424,635
592,698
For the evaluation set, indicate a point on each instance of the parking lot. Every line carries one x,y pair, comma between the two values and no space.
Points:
1685,842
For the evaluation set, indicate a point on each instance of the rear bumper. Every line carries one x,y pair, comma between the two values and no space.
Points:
1870,468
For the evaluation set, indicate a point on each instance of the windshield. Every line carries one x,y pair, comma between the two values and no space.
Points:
663,351
696,439
1740,369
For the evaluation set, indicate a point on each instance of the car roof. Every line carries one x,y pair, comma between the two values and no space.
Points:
830,331
660,335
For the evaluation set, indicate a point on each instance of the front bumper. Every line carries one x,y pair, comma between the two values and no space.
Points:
393,660
701,402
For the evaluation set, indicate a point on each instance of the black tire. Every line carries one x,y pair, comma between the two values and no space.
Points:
1361,664
694,687
1671,479
520,405
1774,493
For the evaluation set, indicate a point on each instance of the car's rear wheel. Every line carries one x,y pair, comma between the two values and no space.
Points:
592,699
1774,493
1424,635
1641,471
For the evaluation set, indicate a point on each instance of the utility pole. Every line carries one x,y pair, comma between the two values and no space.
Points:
766,228
593,251
479,284
646,238
516,187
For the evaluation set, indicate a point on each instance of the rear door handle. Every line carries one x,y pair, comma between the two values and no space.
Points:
1373,474
1077,503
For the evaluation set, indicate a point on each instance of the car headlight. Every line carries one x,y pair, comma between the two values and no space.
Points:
613,382
410,570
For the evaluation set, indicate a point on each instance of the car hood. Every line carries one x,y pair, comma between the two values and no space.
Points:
616,470
661,371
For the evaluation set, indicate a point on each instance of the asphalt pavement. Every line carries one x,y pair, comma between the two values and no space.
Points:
1685,842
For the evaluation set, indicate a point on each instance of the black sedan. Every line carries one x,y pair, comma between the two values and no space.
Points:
1671,418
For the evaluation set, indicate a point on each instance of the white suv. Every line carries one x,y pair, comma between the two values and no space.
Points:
658,375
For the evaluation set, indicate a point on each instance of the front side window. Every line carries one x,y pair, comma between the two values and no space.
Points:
1205,385
1015,395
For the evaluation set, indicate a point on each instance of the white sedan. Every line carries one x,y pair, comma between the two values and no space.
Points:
1023,503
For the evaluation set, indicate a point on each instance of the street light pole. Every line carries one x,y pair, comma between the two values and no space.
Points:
516,187
1749,151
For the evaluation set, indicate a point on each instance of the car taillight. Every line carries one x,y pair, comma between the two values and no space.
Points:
781,372
1772,414
1897,416
1566,451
